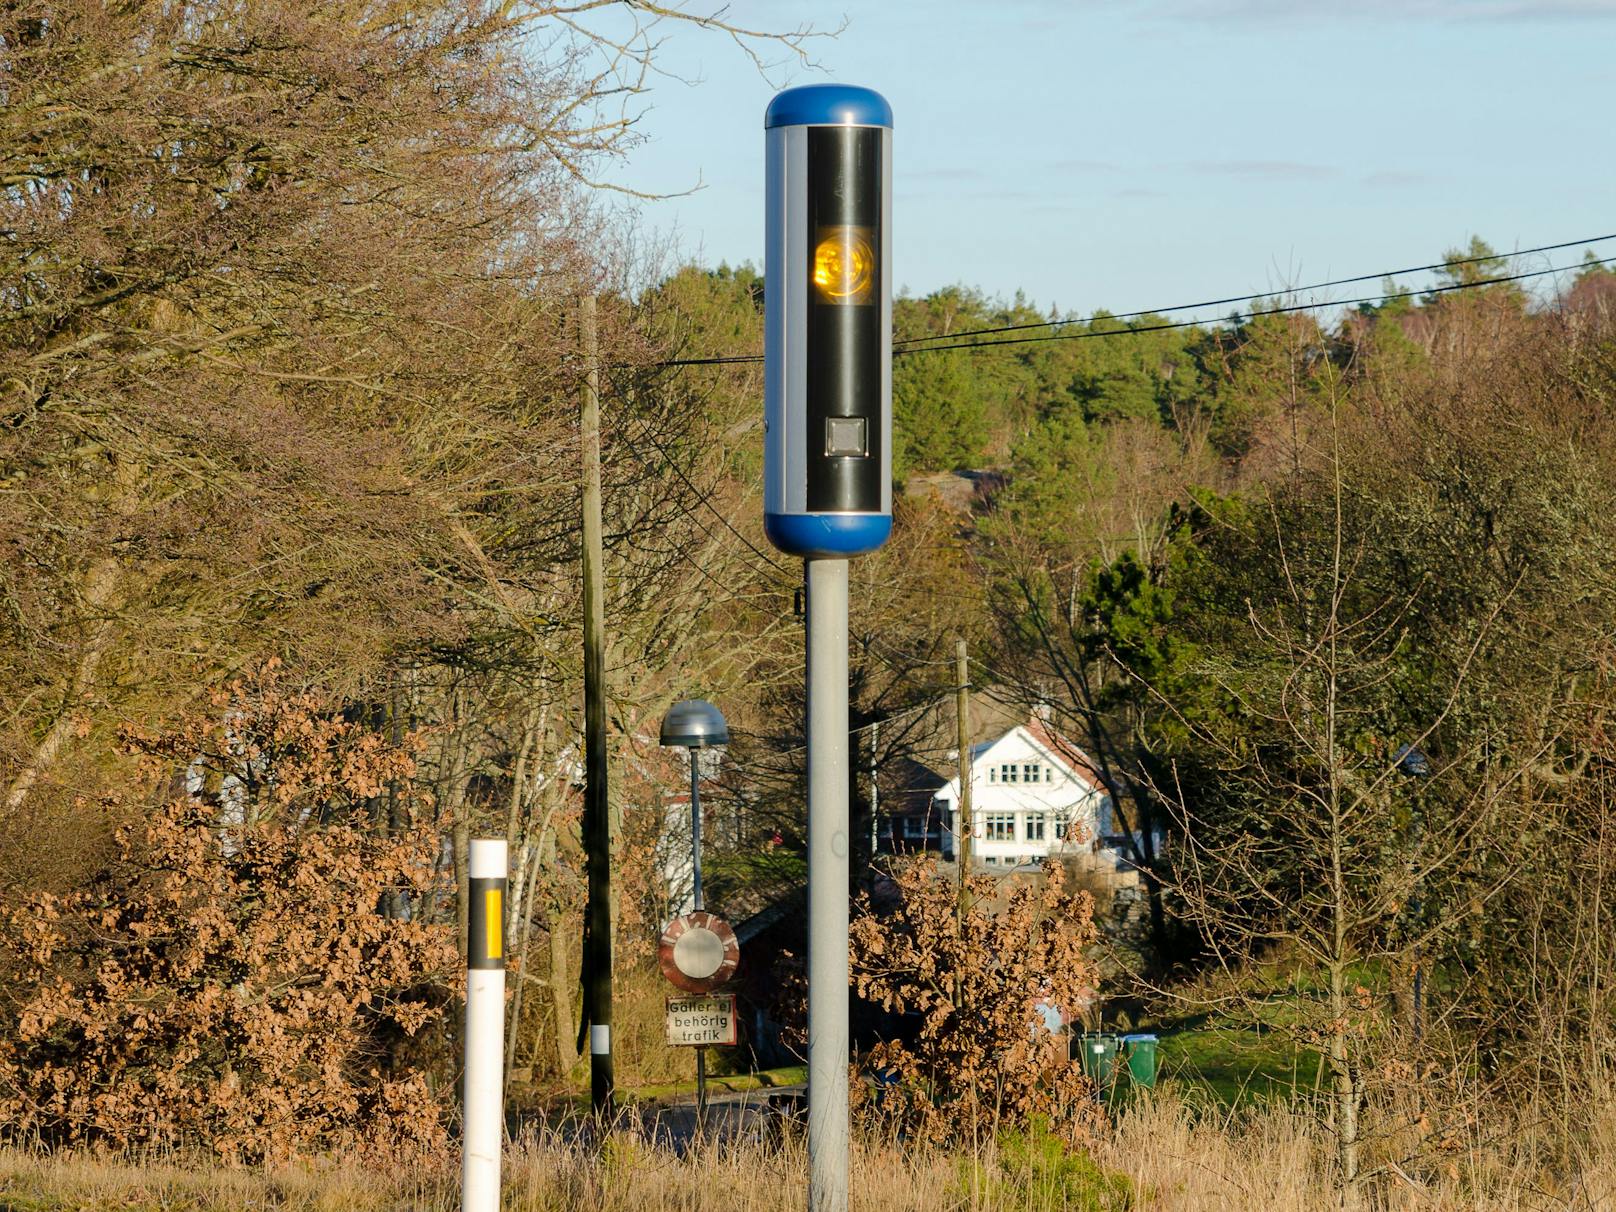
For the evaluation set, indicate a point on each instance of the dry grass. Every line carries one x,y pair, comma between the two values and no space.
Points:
1177,1159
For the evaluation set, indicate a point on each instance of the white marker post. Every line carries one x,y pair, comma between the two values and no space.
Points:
483,1109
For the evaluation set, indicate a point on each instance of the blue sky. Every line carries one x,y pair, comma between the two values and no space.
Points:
1131,155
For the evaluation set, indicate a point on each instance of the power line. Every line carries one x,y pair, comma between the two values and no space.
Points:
1162,311
902,713
706,499
913,345
897,661
1136,330
736,360
1262,311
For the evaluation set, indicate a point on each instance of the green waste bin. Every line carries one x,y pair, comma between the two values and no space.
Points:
1139,1051
1098,1054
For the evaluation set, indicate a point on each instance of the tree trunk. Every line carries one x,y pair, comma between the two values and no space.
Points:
452,797
561,980
521,915
521,933
397,904
461,849
99,588
1345,1087
1146,849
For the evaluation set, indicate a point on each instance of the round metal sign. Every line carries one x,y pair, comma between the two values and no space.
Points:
698,952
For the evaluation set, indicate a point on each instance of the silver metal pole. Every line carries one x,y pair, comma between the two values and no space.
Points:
695,830
698,903
828,831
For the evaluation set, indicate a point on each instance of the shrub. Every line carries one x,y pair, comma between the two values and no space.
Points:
1037,1169
976,980
232,977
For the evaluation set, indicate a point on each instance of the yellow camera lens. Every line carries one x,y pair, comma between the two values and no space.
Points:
844,265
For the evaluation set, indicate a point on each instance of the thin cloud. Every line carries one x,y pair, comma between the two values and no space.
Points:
946,175
1083,166
1270,170
1013,195
1394,179
955,197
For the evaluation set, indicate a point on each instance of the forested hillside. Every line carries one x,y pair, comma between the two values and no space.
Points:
1325,593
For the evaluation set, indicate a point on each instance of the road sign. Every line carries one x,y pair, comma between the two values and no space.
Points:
702,1022
698,952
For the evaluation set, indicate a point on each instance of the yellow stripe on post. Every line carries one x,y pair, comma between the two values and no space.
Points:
495,917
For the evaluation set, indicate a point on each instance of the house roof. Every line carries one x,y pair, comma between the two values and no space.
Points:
1061,748
909,786
1080,762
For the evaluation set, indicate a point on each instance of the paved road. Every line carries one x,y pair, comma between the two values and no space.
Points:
754,1115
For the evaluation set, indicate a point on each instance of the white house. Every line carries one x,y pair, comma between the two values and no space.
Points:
1034,795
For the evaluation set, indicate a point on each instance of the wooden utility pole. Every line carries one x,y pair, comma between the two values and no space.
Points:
597,828
962,709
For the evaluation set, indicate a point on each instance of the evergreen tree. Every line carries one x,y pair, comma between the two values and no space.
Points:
938,417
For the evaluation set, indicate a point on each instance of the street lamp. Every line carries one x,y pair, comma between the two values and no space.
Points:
696,724
1411,764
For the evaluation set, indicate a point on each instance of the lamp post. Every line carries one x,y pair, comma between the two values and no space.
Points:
1412,764
695,724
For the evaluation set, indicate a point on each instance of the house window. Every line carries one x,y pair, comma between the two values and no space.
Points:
913,827
1061,826
1035,826
1007,772
1031,772
1001,827
993,775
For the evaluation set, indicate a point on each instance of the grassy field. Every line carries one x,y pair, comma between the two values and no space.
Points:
1246,1053
1237,1066
1160,1156
1222,1131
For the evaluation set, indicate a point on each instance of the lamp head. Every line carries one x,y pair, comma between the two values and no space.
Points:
694,724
